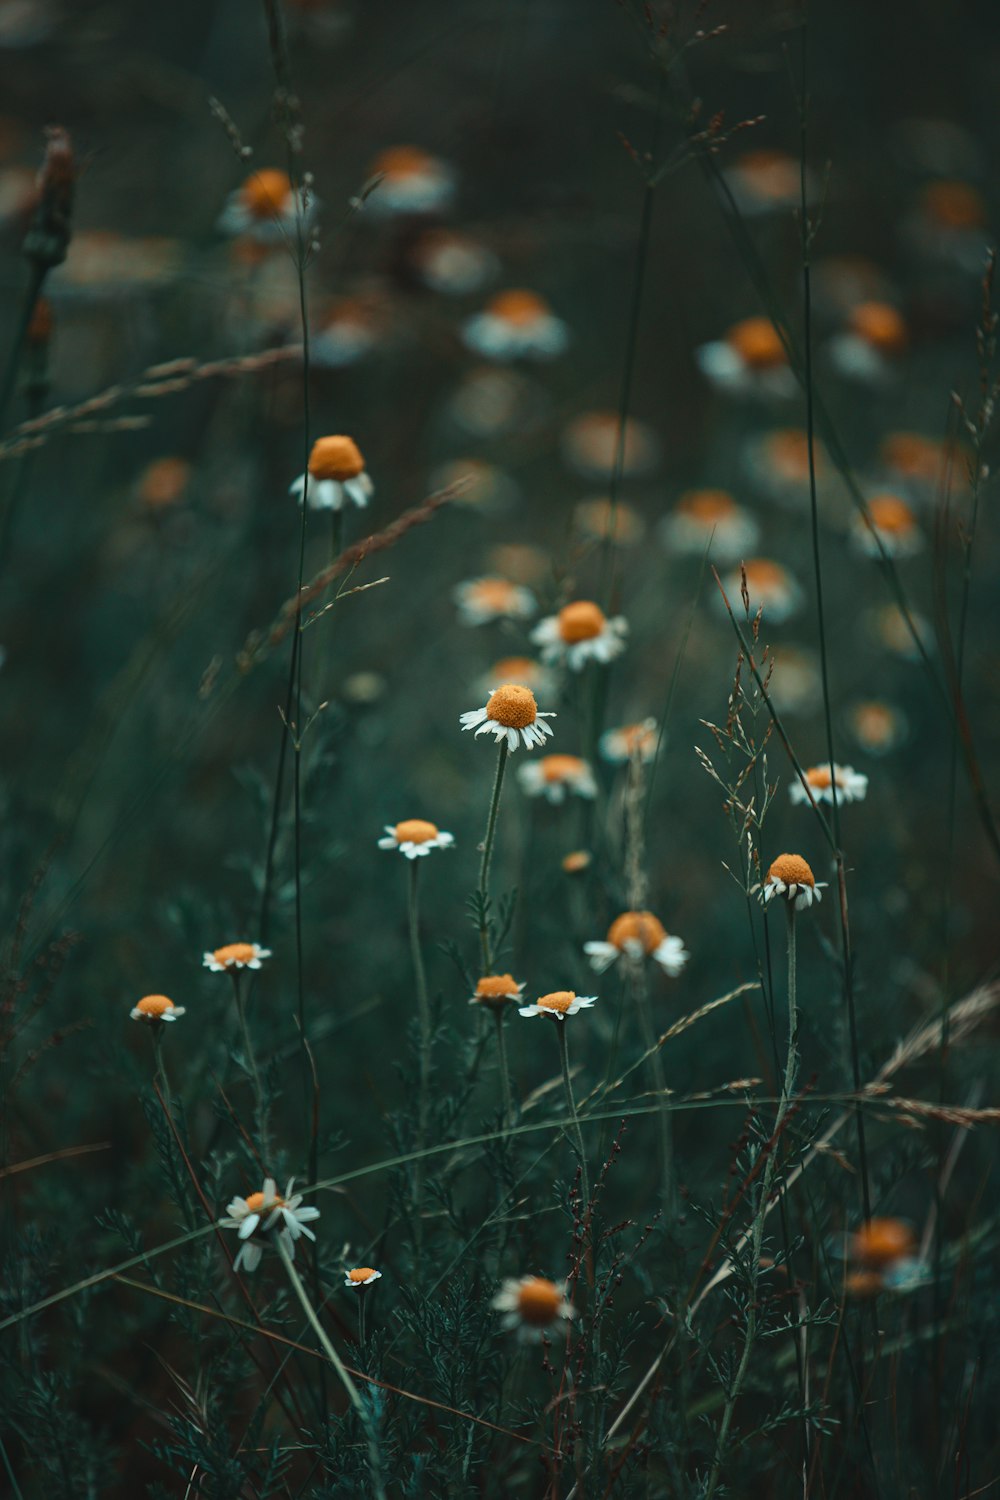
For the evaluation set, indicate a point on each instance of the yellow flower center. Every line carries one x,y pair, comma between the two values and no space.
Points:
792,869
881,1241
879,324
155,1005
580,621
576,861
234,953
361,1274
335,458
518,307
707,505
523,667
764,575
164,482
255,1202
954,205
402,161
556,768
538,1301
889,513
819,777
757,342
773,174
874,722
266,193
415,831
497,987
912,455
559,1000
637,926
512,706
492,593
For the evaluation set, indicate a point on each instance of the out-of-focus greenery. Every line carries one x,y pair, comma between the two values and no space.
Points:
148,545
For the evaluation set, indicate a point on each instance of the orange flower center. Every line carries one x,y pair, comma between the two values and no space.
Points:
518,307
266,193
492,593
164,482
402,161
819,777
864,1284
514,666
764,575
576,861
889,513
559,1000
637,737
560,767
757,342
538,1301
880,325
580,621
873,721
598,518
234,953
788,451
707,505
637,926
772,173
335,458
912,455
792,869
361,1274
255,1202
881,1241
415,831
954,205
497,987
512,706
155,1005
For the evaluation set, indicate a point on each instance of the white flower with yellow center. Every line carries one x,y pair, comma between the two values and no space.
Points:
156,1008
750,360
236,956
408,180
496,991
636,935
516,325
510,713
265,208
892,523
878,727
844,784
533,1306
559,1004
579,633
620,745
552,776
482,600
873,341
361,1276
710,517
790,878
336,474
266,1214
415,837
769,586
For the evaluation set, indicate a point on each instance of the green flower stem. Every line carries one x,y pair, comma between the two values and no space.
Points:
160,1071
770,1166
499,1017
424,1013
640,993
353,1394
484,868
571,1106
251,1062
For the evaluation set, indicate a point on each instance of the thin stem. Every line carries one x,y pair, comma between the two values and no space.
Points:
499,1016
13,369
484,868
160,1071
640,994
424,1013
361,1319
571,1106
773,1147
353,1394
250,1059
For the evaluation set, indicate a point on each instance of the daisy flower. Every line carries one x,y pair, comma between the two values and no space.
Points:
750,360
777,464
482,486
264,207
888,624
768,585
156,1008
552,776
361,1276
766,180
704,516
880,1242
892,523
597,519
350,331
492,402
516,324
844,785
452,263
412,181
336,475
635,935
790,876
415,837
510,713
559,1004
948,225
523,669
576,861
579,633
619,745
917,461
235,956
496,990
878,727
163,483
533,1306
482,600
591,442
875,337
265,1214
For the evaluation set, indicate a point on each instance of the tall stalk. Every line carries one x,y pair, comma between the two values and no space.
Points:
484,866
